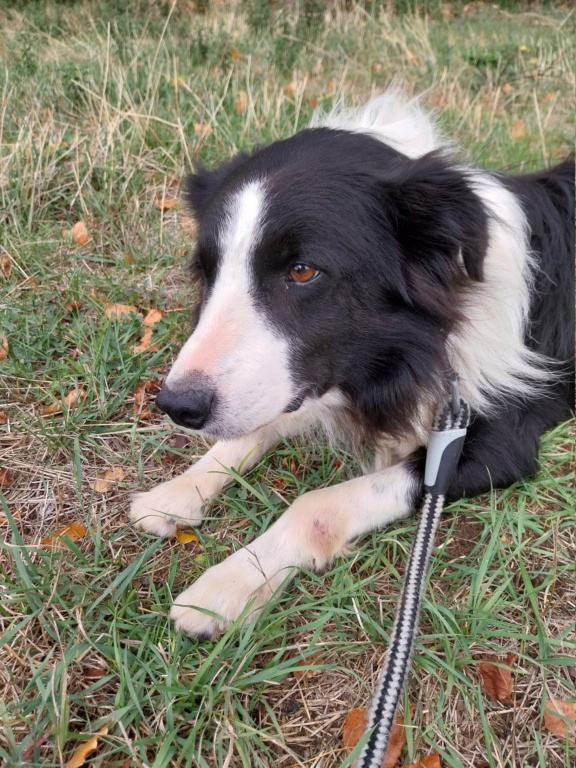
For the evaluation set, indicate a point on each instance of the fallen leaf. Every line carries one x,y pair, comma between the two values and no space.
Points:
70,401
186,537
241,103
140,400
517,129
154,316
3,418
432,761
74,531
107,479
80,233
354,726
5,478
166,203
202,130
235,54
146,342
4,347
497,680
5,265
305,674
29,751
79,757
179,442
560,719
95,672
189,225
128,258
73,306
120,311
395,743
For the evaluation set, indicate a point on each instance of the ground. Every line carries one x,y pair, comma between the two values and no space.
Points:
104,107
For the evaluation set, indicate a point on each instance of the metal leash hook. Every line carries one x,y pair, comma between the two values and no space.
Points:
443,454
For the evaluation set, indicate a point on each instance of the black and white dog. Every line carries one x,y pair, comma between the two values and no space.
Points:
344,272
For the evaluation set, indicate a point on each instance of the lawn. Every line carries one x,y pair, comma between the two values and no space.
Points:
104,105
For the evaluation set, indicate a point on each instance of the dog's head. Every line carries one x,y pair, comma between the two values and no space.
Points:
327,261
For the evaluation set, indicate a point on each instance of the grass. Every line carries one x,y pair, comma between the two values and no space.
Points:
103,108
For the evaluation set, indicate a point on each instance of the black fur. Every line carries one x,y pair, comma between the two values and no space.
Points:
398,244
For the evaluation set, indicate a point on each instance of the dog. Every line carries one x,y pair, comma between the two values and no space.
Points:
344,273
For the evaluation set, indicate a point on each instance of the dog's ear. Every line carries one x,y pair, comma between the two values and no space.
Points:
437,217
201,187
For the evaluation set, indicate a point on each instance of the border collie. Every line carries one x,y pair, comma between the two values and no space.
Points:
344,273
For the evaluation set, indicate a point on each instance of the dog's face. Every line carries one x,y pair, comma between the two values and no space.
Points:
327,261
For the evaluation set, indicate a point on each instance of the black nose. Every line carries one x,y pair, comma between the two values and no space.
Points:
189,406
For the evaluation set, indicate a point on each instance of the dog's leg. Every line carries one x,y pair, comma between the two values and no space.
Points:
182,501
315,529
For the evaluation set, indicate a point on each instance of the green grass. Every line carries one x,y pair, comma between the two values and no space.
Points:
101,112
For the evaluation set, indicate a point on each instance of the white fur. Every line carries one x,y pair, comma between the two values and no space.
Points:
488,350
233,344
313,530
184,500
392,117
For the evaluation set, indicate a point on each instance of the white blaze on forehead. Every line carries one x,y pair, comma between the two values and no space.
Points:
234,343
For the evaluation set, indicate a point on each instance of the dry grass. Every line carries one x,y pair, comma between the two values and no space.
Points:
101,112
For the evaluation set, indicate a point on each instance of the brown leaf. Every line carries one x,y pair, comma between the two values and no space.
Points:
106,480
189,225
73,306
128,258
3,417
432,761
154,316
507,88
235,54
4,347
517,129
5,478
166,203
80,233
29,751
71,400
5,265
241,103
95,672
497,680
120,311
354,726
202,130
79,757
140,398
305,674
395,743
74,531
186,537
179,442
560,719
146,343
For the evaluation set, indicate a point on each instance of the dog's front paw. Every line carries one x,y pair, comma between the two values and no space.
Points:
167,507
223,593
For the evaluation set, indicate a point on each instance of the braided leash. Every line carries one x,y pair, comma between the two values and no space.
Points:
444,449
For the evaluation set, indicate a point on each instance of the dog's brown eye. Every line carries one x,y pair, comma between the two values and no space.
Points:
302,273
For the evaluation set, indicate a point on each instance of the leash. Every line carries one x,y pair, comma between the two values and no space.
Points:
444,450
